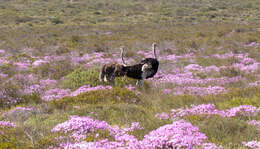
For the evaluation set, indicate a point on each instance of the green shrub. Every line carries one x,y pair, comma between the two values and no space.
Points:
47,141
231,72
20,57
13,138
122,82
214,61
32,98
237,101
8,69
225,130
17,138
116,95
80,77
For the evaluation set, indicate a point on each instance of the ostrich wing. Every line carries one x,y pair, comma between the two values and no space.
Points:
146,66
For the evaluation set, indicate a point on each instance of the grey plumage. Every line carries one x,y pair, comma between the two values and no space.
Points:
110,71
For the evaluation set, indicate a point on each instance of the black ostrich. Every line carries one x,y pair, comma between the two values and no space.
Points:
147,68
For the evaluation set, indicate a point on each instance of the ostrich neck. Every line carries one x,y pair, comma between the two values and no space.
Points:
122,57
154,52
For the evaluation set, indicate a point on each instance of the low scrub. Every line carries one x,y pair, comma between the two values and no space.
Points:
80,77
54,70
116,95
225,130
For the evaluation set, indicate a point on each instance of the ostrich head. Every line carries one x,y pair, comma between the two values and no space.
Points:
122,49
154,50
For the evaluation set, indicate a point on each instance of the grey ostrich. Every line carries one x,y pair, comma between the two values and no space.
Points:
109,71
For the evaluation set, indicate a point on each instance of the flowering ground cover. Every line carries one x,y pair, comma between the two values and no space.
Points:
205,95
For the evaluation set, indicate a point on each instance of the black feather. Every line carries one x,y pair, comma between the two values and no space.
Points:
154,63
135,71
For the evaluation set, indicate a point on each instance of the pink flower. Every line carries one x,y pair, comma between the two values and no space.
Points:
209,109
2,51
55,94
22,66
2,75
252,144
39,62
255,123
4,124
162,116
252,44
86,88
211,146
179,134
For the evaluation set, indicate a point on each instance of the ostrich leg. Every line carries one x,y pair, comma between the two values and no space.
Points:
141,82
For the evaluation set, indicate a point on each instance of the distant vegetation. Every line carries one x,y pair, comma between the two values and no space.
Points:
51,52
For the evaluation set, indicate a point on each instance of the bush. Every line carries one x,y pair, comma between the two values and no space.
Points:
116,95
20,57
10,96
13,138
122,82
16,138
230,72
225,130
32,98
80,77
8,69
237,101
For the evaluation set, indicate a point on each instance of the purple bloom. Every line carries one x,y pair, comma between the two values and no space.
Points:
163,115
86,88
2,51
2,75
193,67
209,109
254,123
224,56
4,124
167,91
20,109
179,134
55,94
39,62
256,83
252,44
252,144
80,126
134,126
211,146
22,66
48,82
35,88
